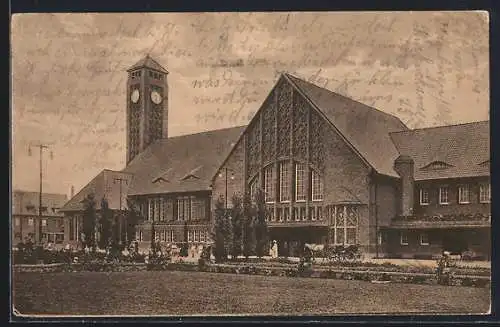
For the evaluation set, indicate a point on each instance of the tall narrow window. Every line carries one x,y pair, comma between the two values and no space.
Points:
150,209
170,236
463,194
484,193
284,182
187,208
317,186
254,185
269,183
300,182
443,195
180,209
157,209
169,209
424,196
161,209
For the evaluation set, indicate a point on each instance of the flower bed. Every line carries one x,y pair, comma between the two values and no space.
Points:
368,266
373,273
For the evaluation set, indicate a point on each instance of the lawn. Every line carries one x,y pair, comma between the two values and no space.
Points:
195,293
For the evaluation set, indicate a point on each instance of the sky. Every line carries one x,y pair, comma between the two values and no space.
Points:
69,75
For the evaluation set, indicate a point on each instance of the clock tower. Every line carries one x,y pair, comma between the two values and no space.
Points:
147,105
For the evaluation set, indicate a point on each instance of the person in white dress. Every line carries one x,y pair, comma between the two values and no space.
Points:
274,250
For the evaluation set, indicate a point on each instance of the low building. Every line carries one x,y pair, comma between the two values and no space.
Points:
334,171
26,221
109,185
446,192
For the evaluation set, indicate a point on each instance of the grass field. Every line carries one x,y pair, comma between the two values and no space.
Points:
182,293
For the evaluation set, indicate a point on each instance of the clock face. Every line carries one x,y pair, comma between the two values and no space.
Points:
135,96
156,97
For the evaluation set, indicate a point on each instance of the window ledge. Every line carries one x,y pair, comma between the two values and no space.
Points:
444,203
424,204
463,202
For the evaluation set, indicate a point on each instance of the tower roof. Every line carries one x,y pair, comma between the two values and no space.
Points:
148,62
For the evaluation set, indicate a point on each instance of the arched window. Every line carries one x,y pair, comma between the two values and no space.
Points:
254,185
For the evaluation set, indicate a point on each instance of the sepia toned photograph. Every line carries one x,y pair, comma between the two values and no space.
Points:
250,164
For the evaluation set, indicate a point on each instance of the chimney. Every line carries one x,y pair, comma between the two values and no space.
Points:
404,166
72,192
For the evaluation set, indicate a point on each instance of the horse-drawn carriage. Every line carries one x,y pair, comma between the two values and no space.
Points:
332,254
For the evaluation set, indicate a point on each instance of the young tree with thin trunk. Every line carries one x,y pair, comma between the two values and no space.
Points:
236,225
218,231
248,234
105,224
133,216
261,231
89,221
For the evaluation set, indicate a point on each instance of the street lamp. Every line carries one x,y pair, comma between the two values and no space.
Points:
232,178
39,224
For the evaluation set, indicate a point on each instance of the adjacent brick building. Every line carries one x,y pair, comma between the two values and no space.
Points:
26,221
334,171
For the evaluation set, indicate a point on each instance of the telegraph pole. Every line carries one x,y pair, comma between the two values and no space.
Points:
121,181
38,232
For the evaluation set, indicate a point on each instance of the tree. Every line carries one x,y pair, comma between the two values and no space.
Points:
236,225
89,221
248,234
105,223
132,216
219,228
260,224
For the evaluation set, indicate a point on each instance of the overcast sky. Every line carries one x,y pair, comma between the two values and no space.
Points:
69,78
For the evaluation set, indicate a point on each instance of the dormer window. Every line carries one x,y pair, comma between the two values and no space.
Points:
437,165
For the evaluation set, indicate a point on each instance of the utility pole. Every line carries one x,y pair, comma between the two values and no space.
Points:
121,181
38,231
225,197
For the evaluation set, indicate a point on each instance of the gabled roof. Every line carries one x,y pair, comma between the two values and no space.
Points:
184,163
365,128
27,203
105,184
463,148
148,62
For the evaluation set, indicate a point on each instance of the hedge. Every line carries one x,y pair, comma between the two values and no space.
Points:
372,275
